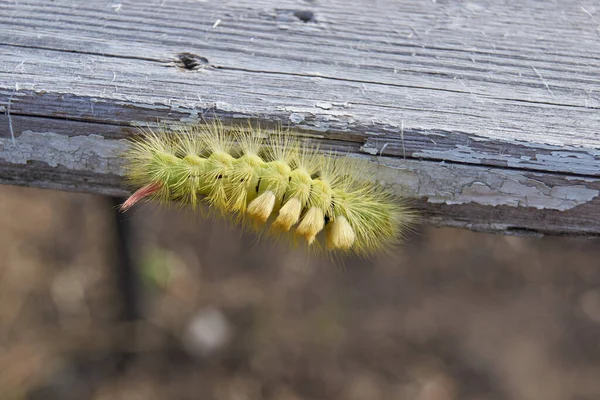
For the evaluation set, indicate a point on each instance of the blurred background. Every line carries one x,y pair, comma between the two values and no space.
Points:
213,314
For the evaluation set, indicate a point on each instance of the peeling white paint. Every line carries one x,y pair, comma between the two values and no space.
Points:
514,192
296,118
87,153
324,105
438,182
458,184
573,160
194,116
369,150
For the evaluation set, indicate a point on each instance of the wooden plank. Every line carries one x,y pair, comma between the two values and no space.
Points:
485,114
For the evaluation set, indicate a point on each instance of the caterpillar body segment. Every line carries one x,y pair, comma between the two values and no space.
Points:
276,186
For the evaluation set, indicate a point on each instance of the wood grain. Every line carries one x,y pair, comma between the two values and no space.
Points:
484,113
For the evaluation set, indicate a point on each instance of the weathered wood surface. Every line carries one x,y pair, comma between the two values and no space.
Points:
485,113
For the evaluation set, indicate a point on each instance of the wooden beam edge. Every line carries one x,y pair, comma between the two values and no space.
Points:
481,198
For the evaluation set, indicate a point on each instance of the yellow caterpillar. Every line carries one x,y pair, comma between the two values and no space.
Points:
277,186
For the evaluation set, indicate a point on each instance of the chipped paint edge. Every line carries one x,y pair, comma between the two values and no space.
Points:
439,182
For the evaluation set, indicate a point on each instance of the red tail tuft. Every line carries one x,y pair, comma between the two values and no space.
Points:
140,194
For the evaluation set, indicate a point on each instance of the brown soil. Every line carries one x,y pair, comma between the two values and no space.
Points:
452,315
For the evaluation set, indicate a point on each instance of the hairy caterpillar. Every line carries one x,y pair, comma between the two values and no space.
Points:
277,186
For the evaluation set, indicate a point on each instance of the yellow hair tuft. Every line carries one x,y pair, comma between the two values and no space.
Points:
253,174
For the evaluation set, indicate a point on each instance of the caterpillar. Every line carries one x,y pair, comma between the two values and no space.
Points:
270,183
